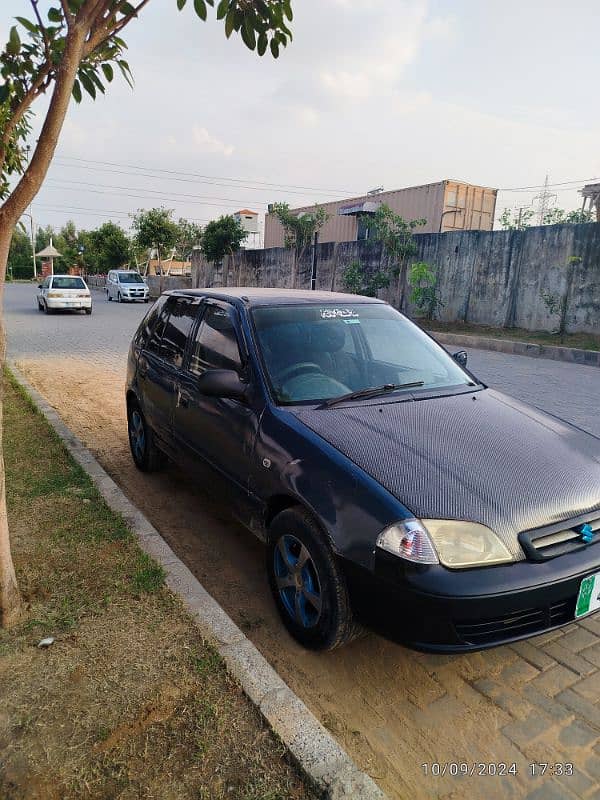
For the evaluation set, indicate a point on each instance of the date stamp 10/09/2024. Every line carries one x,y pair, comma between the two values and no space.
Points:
495,769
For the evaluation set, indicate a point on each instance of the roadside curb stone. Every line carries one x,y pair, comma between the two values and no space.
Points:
572,355
324,762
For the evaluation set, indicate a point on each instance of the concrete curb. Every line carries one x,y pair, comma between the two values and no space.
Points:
324,762
572,355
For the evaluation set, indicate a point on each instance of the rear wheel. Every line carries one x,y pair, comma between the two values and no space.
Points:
147,457
307,583
88,311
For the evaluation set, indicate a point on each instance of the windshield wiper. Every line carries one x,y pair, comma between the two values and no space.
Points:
372,391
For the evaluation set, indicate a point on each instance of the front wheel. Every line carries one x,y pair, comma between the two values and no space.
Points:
307,583
88,311
147,457
119,298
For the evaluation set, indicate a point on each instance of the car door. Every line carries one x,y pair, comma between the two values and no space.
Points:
216,434
161,360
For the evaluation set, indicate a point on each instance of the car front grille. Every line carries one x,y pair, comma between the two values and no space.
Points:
523,622
560,538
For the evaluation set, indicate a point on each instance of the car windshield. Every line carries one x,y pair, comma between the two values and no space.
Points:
130,277
313,353
67,283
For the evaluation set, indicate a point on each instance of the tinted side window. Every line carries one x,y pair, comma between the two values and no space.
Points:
145,330
178,328
216,345
153,343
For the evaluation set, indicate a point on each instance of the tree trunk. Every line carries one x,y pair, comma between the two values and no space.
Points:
10,599
10,212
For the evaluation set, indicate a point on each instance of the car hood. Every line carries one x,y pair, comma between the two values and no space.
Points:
479,456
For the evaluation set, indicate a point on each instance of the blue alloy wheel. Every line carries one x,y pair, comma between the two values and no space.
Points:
137,435
297,581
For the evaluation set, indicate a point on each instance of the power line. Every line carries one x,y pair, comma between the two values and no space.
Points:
549,185
173,196
245,182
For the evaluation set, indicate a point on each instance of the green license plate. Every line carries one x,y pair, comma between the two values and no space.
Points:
588,599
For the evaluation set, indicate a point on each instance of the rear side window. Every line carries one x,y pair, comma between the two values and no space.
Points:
153,344
147,326
216,344
183,312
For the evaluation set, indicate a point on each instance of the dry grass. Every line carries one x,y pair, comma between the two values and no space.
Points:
585,341
128,702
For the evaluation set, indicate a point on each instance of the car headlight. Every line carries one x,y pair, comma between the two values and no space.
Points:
453,543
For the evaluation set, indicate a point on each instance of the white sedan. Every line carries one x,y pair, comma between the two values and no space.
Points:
64,292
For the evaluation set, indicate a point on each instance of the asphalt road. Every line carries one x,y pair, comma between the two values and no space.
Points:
570,391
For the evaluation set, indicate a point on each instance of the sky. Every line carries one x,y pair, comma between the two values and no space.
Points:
370,93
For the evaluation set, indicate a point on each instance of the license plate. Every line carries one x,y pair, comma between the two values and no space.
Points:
588,599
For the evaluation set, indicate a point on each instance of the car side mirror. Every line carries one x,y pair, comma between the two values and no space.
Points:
222,383
39,285
461,357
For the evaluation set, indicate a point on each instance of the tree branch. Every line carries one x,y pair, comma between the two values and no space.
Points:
102,34
66,12
34,4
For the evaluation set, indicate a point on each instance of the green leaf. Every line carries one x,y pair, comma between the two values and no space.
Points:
274,48
180,4
4,92
262,44
222,9
229,22
28,24
88,84
124,67
127,9
108,71
248,34
14,42
54,15
200,8
93,75
287,10
77,91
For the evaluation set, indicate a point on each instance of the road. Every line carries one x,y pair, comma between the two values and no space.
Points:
393,709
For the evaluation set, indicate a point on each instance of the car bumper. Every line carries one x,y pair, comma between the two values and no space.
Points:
440,610
132,298
76,302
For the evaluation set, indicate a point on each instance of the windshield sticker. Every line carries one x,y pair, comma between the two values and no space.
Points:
338,313
352,321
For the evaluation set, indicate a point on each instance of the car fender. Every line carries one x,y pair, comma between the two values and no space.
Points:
351,507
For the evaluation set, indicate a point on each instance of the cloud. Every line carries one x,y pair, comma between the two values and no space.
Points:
206,143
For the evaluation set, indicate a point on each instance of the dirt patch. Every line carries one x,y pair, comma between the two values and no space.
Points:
128,702
393,709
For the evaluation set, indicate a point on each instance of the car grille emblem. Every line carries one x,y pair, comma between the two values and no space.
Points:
586,532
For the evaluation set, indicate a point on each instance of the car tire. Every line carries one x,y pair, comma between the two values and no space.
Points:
108,297
119,298
40,306
88,311
47,309
313,602
146,455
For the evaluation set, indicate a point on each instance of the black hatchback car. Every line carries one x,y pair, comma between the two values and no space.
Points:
391,487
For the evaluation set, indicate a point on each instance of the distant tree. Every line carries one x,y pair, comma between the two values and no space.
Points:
558,216
516,220
20,260
422,279
189,236
155,229
106,247
357,280
222,237
299,231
